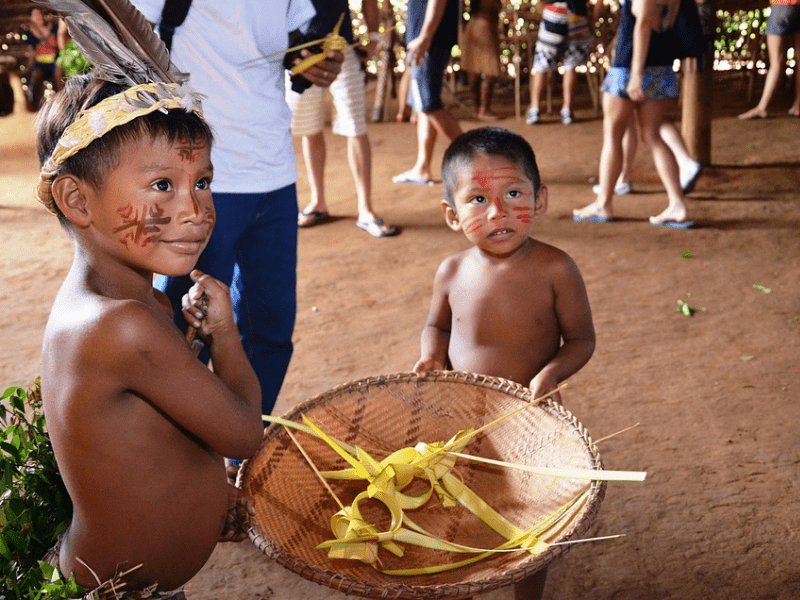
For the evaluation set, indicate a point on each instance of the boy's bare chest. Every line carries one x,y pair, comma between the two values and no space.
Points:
515,303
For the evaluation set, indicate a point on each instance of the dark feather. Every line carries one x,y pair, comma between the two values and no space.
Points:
118,40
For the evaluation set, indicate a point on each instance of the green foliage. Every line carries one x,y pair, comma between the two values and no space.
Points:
72,60
34,506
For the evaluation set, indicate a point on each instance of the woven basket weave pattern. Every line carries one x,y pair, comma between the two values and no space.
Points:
384,414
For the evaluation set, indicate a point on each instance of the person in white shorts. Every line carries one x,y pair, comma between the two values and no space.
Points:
308,121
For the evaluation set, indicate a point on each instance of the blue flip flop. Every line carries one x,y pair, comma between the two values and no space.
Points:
676,224
592,219
406,178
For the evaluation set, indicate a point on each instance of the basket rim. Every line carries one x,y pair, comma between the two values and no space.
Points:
418,591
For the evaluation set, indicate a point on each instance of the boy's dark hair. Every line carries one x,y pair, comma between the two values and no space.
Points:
94,162
495,141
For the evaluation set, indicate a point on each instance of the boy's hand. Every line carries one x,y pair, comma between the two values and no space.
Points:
426,365
240,508
207,305
543,384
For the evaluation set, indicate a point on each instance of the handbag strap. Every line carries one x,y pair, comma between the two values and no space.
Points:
172,16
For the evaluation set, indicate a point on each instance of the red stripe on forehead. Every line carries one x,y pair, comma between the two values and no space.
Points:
484,178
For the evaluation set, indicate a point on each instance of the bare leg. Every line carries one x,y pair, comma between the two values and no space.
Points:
359,154
795,109
403,109
776,50
569,84
688,167
651,114
485,111
617,112
314,157
539,80
630,143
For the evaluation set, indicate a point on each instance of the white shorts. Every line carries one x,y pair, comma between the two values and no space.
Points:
347,91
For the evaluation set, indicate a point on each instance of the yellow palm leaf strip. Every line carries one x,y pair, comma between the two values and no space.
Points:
314,467
523,407
304,429
356,538
358,465
332,42
564,472
621,431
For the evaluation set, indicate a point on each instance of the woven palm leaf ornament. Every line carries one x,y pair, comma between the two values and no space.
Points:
403,487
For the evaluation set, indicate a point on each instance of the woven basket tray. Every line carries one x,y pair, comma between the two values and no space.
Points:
384,414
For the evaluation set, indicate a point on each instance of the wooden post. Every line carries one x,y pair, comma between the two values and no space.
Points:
696,102
386,60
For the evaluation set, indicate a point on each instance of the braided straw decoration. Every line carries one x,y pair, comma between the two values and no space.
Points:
384,414
93,123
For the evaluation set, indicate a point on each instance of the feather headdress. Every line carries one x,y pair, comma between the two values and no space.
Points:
124,49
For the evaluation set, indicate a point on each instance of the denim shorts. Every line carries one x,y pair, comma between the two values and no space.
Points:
427,79
783,19
660,83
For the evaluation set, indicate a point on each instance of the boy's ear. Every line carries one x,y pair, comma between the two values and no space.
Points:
451,216
541,202
70,197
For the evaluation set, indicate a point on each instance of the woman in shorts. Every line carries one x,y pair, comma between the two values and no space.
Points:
783,25
643,81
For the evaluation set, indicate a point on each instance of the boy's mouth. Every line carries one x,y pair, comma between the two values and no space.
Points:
504,231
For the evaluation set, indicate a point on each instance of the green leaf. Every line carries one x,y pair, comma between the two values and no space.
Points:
762,288
686,254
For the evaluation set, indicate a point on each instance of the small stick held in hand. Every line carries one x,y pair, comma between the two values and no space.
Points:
195,344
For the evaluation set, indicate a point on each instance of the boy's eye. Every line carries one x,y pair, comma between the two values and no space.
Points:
478,199
162,185
203,184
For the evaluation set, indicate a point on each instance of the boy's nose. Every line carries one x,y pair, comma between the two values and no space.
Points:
496,207
190,212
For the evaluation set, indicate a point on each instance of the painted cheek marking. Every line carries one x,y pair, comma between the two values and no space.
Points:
142,226
472,225
523,213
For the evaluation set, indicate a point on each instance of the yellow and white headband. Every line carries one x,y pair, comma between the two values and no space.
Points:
119,109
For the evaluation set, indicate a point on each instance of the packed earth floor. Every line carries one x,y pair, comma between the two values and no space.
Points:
716,395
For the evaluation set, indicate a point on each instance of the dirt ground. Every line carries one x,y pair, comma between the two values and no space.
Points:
716,395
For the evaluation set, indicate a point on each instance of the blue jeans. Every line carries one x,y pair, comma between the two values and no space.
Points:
253,249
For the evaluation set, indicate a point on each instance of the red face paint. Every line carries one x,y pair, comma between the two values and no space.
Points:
485,178
188,150
142,227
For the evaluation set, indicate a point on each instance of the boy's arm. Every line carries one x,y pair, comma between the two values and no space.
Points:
207,306
435,339
577,330
146,355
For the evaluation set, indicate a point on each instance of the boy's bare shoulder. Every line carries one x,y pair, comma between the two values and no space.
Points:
450,265
109,330
549,257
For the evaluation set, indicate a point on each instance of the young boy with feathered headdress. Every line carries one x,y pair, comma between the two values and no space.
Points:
139,426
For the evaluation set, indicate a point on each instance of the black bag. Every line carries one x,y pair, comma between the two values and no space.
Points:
172,16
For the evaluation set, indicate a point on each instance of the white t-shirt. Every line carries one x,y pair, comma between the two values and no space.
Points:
222,45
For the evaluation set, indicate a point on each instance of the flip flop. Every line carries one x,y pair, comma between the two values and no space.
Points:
592,219
317,217
675,224
377,228
406,178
